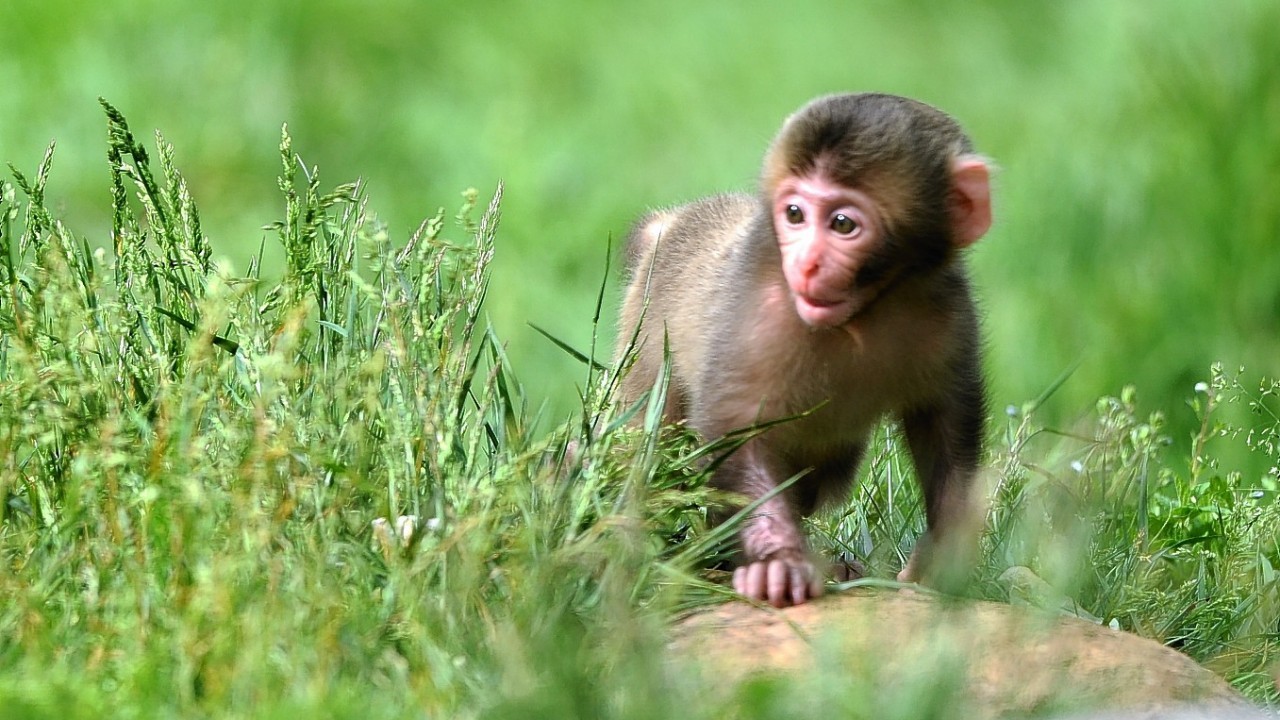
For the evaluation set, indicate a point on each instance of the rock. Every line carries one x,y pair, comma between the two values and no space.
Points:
980,659
1186,712
1025,588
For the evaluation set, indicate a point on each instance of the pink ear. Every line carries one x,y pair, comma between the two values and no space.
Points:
970,200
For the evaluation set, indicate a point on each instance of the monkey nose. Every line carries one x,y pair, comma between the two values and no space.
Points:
810,267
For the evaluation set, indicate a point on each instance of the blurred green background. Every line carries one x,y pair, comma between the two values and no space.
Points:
1138,202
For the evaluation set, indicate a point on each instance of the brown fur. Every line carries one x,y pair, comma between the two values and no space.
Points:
711,274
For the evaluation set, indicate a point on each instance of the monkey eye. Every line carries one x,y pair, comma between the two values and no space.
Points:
794,214
843,224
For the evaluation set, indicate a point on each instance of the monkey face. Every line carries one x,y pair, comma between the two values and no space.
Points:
827,233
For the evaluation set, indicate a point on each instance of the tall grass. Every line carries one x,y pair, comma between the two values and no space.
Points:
193,464
1135,220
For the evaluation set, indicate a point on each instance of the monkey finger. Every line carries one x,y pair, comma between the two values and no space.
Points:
779,577
803,585
749,581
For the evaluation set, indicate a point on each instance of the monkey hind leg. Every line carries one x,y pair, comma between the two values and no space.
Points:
846,567
944,563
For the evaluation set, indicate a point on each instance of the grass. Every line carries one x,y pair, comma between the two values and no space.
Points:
191,464
1135,220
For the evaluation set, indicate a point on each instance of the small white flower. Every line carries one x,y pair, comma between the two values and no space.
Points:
1202,388
406,525
1077,466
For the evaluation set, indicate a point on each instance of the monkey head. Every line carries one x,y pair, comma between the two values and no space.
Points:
864,189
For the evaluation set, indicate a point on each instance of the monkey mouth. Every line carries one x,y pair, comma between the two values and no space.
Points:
817,312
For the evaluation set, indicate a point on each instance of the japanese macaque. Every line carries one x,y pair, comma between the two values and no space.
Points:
836,294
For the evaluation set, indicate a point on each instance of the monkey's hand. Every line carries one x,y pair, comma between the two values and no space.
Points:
787,577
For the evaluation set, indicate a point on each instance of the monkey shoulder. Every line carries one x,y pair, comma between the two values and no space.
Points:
717,217
682,255
684,229
677,260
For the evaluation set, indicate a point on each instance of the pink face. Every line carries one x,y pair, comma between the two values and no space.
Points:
826,232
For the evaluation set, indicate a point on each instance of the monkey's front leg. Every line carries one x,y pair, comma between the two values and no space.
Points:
776,565
945,444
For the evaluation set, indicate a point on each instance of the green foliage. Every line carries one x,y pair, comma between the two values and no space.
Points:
1135,213
324,492
1110,528
1177,550
191,463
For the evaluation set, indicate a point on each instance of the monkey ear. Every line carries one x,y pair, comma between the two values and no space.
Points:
970,202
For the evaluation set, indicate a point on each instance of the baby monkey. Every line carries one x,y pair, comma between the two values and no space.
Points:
837,294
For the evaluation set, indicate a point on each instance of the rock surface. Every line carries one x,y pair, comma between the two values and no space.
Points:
985,660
